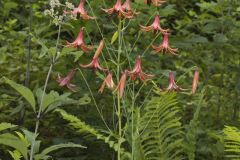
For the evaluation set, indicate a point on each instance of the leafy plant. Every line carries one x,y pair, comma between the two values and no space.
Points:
160,130
232,142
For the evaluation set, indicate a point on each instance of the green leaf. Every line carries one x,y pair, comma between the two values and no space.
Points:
16,155
25,92
14,142
46,151
114,37
4,126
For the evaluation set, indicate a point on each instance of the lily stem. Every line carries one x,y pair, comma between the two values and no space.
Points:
118,95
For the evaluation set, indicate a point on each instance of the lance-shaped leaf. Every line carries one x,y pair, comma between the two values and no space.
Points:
23,91
4,126
45,152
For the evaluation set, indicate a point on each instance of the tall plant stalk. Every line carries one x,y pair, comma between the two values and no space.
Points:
118,95
53,60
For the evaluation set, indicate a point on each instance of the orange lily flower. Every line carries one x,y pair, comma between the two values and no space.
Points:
79,42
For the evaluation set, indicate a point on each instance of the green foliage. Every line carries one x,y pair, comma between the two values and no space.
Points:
23,91
4,126
232,142
45,153
19,143
83,128
161,133
16,155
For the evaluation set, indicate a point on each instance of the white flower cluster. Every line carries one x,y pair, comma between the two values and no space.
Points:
69,5
57,9
54,3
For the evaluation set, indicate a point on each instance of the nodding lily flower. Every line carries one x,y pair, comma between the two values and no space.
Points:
109,82
195,81
80,10
165,47
121,84
127,7
120,10
137,71
66,81
154,2
172,84
79,42
94,63
155,26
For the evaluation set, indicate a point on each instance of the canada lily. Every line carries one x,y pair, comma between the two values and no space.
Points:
121,84
127,8
154,2
80,10
172,84
165,47
94,63
195,81
66,81
155,26
137,71
107,82
79,42
120,9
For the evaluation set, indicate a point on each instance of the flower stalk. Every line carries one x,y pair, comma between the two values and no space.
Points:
53,60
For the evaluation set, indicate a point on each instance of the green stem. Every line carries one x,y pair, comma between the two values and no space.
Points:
118,96
43,94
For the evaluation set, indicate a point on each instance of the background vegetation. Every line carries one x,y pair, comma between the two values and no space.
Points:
207,33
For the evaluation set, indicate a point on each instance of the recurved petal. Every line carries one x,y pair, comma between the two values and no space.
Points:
86,48
109,11
87,17
72,87
87,65
146,28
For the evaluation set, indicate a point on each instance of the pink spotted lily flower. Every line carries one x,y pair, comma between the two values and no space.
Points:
154,2
127,8
79,42
155,26
80,10
121,85
107,82
94,63
195,81
120,9
172,84
165,47
66,81
137,71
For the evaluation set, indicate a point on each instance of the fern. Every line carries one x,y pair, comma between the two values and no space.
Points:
88,130
160,129
232,142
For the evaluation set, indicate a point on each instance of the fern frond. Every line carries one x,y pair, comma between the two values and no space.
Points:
160,129
232,142
86,129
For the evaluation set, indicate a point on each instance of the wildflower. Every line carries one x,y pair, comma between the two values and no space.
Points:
172,84
109,82
94,63
127,7
79,42
137,71
155,26
195,81
65,81
121,84
154,2
165,47
80,10
120,9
